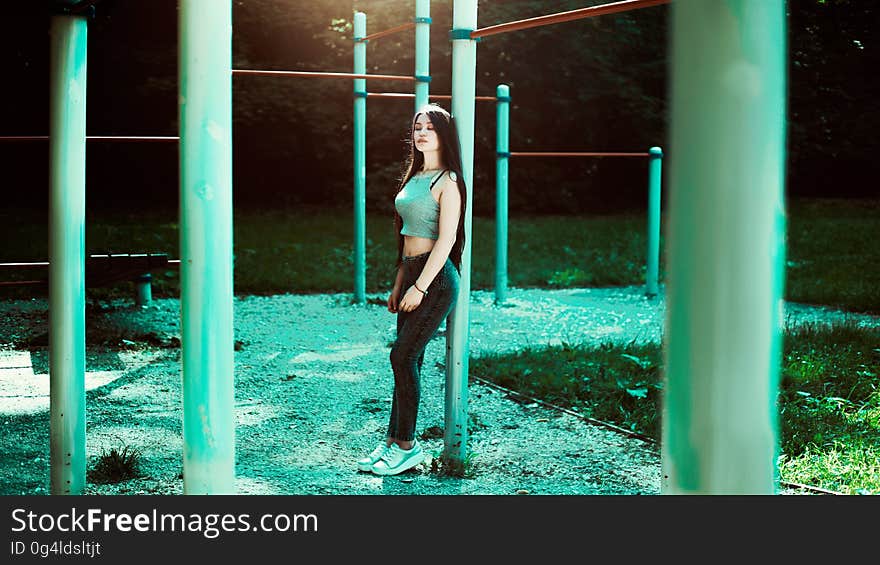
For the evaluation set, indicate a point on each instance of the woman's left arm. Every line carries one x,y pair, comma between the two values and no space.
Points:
450,210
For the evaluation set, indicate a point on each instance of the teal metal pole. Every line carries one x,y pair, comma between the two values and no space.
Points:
502,154
464,65
360,160
423,47
652,273
144,290
67,295
726,247
205,66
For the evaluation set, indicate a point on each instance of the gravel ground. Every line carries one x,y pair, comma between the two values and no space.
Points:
313,387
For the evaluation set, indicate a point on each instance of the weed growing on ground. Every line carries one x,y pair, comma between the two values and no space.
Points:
116,466
445,466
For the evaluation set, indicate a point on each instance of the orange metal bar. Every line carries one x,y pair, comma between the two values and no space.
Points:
93,138
573,154
320,75
24,138
131,138
20,283
432,96
581,13
449,97
389,31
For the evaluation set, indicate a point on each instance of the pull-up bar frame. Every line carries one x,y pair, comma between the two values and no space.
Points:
724,339
502,156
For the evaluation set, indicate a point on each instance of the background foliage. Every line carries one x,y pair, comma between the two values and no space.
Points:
598,84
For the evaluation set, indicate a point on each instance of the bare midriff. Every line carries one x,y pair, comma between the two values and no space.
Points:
413,245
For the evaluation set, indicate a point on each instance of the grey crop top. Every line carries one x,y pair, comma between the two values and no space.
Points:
417,208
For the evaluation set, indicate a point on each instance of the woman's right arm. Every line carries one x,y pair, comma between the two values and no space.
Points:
394,298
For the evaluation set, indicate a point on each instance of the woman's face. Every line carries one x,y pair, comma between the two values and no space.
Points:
424,137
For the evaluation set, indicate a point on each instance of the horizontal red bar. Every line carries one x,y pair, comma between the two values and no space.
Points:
17,283
389,31
309,74
430,96
94,138
573,154
579,14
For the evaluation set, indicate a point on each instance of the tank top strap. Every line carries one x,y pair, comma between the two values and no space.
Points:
438,177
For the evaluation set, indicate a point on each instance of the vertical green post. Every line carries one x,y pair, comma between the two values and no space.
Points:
67,212
726,247
502,154
652,273
360,159
205,67
464,65
143,289
423,47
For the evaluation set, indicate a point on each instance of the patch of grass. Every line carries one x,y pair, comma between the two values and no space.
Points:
842,467
116,466
448,467
830,259
830,407
829,396
619,384
567,251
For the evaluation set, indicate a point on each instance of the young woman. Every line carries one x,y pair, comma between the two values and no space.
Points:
429,220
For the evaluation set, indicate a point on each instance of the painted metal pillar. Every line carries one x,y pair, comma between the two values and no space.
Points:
423,48
360,160
464,65
502,155
726,247
652,273
67,295
144,290
205,66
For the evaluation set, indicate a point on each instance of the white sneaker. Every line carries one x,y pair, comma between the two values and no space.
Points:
396,460
365,463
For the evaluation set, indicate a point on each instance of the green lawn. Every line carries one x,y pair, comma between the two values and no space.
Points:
833,256
831,253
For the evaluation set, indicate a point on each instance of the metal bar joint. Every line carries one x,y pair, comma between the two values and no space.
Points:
457,34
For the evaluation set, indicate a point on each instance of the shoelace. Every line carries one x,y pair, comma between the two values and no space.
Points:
392,449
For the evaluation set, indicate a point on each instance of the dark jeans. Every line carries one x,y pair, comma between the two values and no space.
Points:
414,330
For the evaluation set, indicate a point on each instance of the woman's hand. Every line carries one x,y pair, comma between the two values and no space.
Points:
411,299
394,299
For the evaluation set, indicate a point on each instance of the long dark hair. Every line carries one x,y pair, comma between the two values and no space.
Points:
450,157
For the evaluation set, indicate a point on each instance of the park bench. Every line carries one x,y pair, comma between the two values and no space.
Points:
102,270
